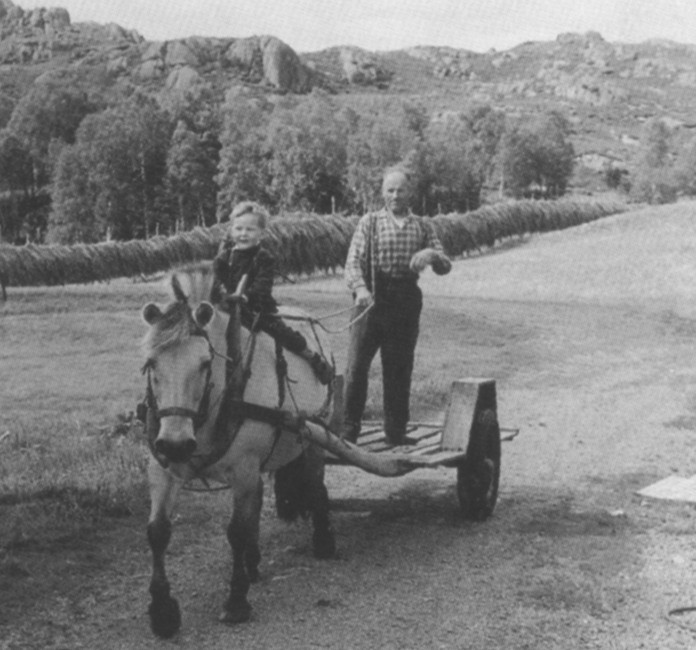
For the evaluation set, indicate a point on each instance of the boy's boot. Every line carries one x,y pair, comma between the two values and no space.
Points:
322,369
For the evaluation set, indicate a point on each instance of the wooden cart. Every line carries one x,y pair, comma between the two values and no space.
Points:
468,440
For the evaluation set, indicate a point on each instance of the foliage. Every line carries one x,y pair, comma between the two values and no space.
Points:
192,162
381,137
656,179
49,111
123,153
306,140
538,157
461,150
685,170
244,169
142,166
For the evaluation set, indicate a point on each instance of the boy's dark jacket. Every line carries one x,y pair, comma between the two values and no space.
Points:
231,264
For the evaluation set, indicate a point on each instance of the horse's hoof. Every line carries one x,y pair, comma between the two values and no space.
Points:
165,617
235,616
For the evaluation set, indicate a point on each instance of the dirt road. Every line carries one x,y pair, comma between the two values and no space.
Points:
598,375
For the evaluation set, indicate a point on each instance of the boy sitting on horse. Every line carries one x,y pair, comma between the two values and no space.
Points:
241,254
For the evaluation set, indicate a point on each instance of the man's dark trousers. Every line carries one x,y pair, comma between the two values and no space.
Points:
391,326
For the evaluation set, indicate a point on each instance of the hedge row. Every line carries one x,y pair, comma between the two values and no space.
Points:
302,244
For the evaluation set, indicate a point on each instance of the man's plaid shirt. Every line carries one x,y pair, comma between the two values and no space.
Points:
392,247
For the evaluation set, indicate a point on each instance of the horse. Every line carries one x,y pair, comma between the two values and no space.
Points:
229,416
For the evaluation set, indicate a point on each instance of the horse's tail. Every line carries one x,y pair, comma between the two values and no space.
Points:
299,487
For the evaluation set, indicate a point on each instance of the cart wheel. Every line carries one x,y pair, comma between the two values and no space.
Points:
478,475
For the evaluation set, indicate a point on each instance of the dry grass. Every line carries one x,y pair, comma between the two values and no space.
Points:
302,244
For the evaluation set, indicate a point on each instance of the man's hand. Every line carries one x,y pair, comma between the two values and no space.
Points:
362,297
423,258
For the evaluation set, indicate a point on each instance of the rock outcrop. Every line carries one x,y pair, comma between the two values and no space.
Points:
448,62
42,35
361,67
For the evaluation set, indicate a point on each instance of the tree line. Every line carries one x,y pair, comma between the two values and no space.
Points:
74,168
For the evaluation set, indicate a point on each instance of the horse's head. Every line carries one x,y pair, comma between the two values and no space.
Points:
178,367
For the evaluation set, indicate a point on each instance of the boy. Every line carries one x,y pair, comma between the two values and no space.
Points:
241,254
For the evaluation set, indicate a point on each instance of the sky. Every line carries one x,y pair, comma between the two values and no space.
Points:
310,25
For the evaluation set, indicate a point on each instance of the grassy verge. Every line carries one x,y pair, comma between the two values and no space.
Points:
73,368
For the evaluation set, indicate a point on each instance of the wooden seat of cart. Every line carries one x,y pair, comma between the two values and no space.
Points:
469,440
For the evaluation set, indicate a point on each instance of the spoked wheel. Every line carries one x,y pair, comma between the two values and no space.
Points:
478,475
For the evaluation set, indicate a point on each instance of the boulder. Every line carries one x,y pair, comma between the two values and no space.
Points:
154,50
150,69
282,67
178,54
243,52
117,33
57,17
206,50
182,79
36,19
117,65
360,67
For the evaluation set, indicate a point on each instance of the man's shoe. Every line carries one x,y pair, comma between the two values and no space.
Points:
401,441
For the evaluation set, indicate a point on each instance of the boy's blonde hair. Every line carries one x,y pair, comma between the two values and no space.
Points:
251,207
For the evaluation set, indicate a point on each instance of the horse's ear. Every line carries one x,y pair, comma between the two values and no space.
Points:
178,290
204,314
151,313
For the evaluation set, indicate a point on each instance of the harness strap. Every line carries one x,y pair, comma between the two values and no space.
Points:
274,416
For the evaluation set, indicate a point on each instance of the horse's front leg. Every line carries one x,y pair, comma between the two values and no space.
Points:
165,616
243,536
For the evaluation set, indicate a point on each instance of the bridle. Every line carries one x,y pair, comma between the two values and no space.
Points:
198,417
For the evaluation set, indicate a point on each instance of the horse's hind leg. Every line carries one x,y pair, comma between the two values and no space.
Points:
165,616
243,535
252,557
323,540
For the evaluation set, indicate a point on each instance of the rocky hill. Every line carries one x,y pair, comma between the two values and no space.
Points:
607,89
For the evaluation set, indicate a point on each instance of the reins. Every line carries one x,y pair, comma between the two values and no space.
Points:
318,320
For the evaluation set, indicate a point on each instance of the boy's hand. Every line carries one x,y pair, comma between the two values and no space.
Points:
362,297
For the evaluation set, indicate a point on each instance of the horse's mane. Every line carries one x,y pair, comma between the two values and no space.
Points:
176,324
193,283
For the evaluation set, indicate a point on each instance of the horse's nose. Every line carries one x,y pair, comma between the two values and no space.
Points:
176,452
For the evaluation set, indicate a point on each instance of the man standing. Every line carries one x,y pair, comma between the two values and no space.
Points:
388,250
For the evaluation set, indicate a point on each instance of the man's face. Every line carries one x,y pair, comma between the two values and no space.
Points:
396,193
